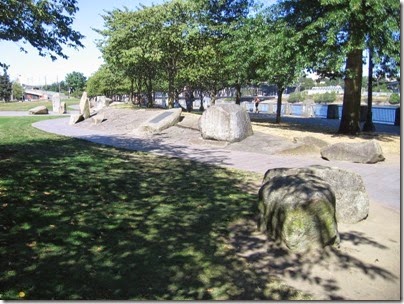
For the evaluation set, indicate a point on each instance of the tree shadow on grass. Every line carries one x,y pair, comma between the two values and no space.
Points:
267,257
83,221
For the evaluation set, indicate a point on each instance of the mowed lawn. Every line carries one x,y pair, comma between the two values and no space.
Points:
27,105
85,221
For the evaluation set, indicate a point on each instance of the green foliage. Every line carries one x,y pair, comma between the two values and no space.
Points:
175,44
105,82
75,82
275,56
326,97
297,97
85,221
394,99
57,86
330,33
17,90
46,25
306,83
5,86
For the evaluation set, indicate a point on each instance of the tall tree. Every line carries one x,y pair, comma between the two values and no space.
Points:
333,34
76,81
239,48
45,24
275,53
213,55
5,86
106,82
17,90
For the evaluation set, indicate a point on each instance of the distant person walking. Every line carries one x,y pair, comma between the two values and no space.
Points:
256,103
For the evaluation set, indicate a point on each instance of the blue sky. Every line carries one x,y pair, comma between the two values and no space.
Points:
31,68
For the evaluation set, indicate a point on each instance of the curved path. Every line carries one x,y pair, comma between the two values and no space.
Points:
382,180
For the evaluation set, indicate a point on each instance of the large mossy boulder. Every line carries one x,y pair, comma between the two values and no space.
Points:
299,211
225,122
352,200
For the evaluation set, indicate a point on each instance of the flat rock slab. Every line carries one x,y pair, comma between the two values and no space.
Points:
368,152
118,121
161,121
38,110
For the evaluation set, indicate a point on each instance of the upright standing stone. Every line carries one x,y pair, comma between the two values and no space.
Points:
84,106
62,108
56,103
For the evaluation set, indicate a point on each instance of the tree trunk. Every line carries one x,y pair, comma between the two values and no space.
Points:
213,94
171,94
279,105
201,108
238,93
149,94
369,126
132,90
350,120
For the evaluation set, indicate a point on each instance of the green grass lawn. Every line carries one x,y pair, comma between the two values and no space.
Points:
85,221
27,105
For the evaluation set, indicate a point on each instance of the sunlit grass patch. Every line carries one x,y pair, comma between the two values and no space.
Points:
25,106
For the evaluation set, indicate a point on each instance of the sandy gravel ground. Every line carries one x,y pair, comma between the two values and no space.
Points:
367,264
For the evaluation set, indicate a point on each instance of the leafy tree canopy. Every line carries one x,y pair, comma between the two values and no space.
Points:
330,33
5,86
45,24
76,81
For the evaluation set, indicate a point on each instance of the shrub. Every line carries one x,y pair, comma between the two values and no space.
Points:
394,98
297,97
327,97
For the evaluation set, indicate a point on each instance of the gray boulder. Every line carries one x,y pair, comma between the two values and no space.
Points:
76,118
352,200
299,211
311,141
99,118
38,110
84,106
227,122
368,152
305,145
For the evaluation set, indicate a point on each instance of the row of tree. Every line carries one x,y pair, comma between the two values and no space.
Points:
209,45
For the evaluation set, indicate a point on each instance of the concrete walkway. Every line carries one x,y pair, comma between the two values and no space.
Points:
382,180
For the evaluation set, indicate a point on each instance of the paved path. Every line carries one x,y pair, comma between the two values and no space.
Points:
382,180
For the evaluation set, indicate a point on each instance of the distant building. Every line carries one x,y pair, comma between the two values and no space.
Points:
34,95
328,89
